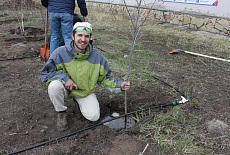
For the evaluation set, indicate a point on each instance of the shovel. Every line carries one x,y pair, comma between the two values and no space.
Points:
45,52
197,54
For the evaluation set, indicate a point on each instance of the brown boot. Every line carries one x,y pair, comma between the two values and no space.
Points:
62,123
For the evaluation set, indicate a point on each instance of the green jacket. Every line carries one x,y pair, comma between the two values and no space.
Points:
86,70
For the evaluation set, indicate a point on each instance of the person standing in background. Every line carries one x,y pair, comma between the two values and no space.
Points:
76,18
61,16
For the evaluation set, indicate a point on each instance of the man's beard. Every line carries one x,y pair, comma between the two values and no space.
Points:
79,48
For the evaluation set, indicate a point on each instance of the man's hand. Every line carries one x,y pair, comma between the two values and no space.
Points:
125,86
85,19
70,85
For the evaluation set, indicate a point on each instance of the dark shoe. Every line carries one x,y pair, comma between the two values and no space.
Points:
62,123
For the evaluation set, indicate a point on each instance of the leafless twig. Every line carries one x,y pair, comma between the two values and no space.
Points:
136,24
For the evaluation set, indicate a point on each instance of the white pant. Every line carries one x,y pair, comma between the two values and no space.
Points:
89,106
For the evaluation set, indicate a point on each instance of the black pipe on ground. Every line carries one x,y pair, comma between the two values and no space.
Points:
22,57
87,128
105,121
176,89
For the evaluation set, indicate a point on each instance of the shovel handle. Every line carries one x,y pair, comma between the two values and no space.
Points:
46,27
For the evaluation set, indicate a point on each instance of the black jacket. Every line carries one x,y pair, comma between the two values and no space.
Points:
44,3
61,6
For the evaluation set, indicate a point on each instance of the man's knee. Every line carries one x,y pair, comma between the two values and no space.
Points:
55,86
93,116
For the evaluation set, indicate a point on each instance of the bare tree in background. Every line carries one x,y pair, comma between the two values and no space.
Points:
16,9
137,17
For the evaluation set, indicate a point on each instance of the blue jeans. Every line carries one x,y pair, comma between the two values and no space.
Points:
60,22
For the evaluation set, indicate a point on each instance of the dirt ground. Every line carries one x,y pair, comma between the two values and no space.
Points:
28,118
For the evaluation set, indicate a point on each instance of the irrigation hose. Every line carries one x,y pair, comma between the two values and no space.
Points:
176,89
89,127
15,58
105,121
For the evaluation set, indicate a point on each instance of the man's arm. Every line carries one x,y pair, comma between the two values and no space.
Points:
44,3
83,9
107,81
49,73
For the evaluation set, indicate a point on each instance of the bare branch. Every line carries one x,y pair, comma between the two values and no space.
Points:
140,19
149,10
128,12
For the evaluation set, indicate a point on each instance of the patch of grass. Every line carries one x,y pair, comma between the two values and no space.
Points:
139,115
176,130
181,39
196,103
5,34
167,131
3,151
